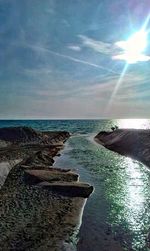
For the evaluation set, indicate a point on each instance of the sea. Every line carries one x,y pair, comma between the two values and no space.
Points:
117,215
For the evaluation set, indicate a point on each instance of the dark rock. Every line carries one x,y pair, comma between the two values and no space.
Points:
36,176
24,134
19,134
38,217
72,189
134,143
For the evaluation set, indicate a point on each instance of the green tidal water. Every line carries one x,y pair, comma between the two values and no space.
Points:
117,215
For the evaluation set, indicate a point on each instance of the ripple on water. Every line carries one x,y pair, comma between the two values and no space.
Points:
122,185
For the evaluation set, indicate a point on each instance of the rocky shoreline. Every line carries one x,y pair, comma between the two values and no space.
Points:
134,143
40,206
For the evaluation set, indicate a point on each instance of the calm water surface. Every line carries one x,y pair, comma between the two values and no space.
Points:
116,216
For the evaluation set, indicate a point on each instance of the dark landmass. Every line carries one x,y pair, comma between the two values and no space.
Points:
134,143
40,206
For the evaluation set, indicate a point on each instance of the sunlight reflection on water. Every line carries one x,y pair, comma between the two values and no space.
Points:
129,202
127,191
134,123
135,199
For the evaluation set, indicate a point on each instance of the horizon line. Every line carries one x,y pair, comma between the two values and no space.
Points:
102,118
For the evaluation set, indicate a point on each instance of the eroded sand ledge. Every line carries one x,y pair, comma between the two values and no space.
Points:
134,143
40,205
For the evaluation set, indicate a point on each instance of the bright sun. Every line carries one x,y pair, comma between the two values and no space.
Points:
133,48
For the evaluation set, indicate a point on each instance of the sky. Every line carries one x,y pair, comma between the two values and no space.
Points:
56,59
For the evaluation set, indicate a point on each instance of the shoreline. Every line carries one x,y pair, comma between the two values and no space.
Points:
36,215
93,233
134,143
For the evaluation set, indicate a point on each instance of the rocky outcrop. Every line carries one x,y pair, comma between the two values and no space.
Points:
134,143
64,182
72,189
41,205
35,176
19,134
23,134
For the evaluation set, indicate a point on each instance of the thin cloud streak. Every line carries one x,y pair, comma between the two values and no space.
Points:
74,47
99,46
72,58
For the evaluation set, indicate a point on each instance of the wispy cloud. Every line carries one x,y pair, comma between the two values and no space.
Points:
77,60
99,46
74,47
130,89
55,65
84,101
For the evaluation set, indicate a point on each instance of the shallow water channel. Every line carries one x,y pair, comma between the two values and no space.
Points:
116,216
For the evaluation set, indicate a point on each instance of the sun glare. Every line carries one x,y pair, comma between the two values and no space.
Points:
133,48
133,123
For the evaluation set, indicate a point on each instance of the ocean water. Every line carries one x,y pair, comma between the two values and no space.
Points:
117,215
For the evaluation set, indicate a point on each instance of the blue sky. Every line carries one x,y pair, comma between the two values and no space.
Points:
56,59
